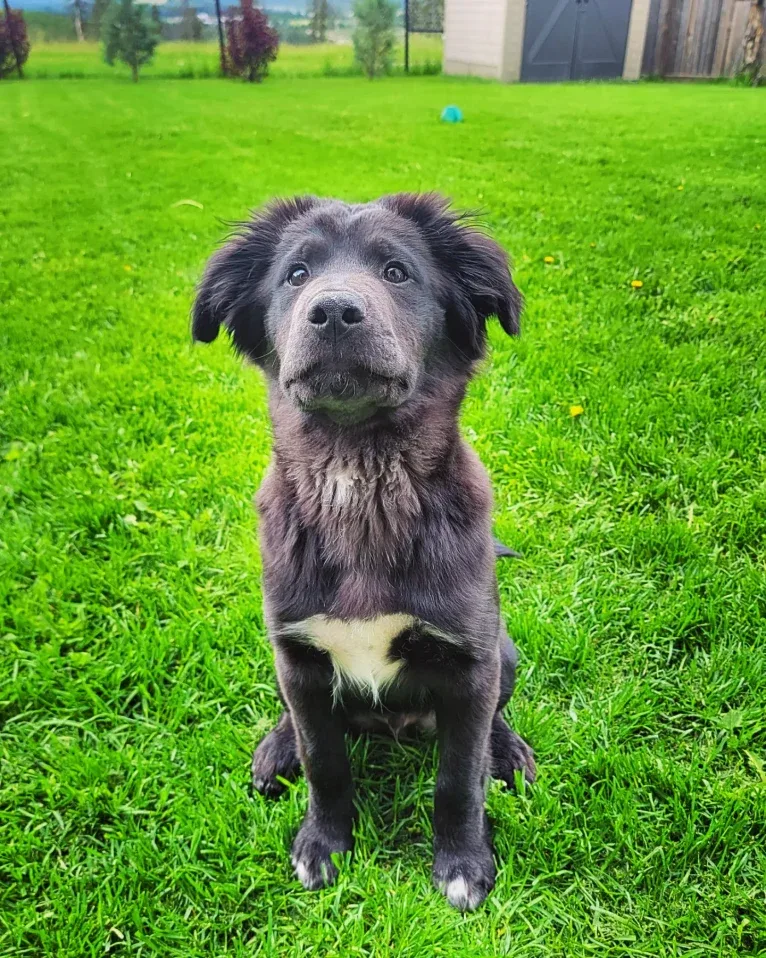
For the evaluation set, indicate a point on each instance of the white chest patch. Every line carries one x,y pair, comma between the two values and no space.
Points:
340,488
358,649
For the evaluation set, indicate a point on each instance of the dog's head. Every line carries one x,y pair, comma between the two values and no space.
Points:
351,308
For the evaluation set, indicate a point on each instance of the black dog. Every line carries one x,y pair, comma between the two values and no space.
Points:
379,578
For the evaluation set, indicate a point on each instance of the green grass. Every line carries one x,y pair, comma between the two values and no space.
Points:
181,60
136,677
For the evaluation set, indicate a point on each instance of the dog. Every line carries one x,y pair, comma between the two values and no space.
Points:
380,589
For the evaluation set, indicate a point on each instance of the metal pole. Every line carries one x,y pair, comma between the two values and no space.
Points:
220,37
16,54
406,36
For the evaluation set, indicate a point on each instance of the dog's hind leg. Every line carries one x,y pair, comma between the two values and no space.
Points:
510,753
276,757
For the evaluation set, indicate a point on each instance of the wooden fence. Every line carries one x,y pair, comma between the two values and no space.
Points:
695,38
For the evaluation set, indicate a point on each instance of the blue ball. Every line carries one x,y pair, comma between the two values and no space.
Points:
452,114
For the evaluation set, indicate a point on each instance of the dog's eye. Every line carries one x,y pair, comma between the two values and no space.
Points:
297,276
395,273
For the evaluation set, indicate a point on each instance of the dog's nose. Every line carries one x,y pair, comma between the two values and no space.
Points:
336,314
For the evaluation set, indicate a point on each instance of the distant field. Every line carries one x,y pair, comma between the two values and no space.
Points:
180,60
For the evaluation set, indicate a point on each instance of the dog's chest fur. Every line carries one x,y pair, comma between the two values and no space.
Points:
361,530
363,503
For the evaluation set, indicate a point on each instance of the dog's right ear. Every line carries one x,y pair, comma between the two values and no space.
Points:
230,292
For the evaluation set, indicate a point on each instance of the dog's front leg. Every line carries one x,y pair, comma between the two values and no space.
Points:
463,864
320,733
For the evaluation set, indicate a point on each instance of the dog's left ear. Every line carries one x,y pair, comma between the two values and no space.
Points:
230,291
475,270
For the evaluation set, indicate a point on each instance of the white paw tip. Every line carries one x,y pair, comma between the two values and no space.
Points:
461,895
303,874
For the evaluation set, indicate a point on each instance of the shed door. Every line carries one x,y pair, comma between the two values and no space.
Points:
575,39
602,34
549,39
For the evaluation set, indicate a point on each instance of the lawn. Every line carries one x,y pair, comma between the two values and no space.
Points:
136,677
194,60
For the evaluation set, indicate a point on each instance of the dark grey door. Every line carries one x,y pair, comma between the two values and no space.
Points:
602,34
575,39
549,39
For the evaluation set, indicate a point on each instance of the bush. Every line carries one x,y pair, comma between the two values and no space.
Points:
252,43
130,36
14,42
374,35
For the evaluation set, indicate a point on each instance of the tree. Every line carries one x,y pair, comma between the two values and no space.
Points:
320,16
374,35
426,15
130,36
98,17
191,25
14,42
156,20
252,42
78,13
752,45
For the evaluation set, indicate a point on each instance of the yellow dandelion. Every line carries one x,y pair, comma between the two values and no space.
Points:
576,411
548,259
127,268
636,283
680,186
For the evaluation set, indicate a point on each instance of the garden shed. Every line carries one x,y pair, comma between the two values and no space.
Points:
549,40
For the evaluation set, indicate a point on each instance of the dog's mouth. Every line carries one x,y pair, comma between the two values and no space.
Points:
347,395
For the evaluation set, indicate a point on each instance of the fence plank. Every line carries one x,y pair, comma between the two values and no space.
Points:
722,38
651,45
700,30
706,48
683,27
685,57
670,20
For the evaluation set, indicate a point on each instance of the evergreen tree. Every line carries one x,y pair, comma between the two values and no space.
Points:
130,36
374,35
191,25
320,15
98,17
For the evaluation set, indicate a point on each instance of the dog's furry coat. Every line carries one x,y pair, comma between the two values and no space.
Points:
379,564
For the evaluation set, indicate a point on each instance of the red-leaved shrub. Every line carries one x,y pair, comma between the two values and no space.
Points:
252,43
13,41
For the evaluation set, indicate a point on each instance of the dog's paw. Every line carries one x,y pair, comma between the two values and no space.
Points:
311,857
276,757
465,879
511,754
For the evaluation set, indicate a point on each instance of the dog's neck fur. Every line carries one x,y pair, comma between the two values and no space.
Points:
363,488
